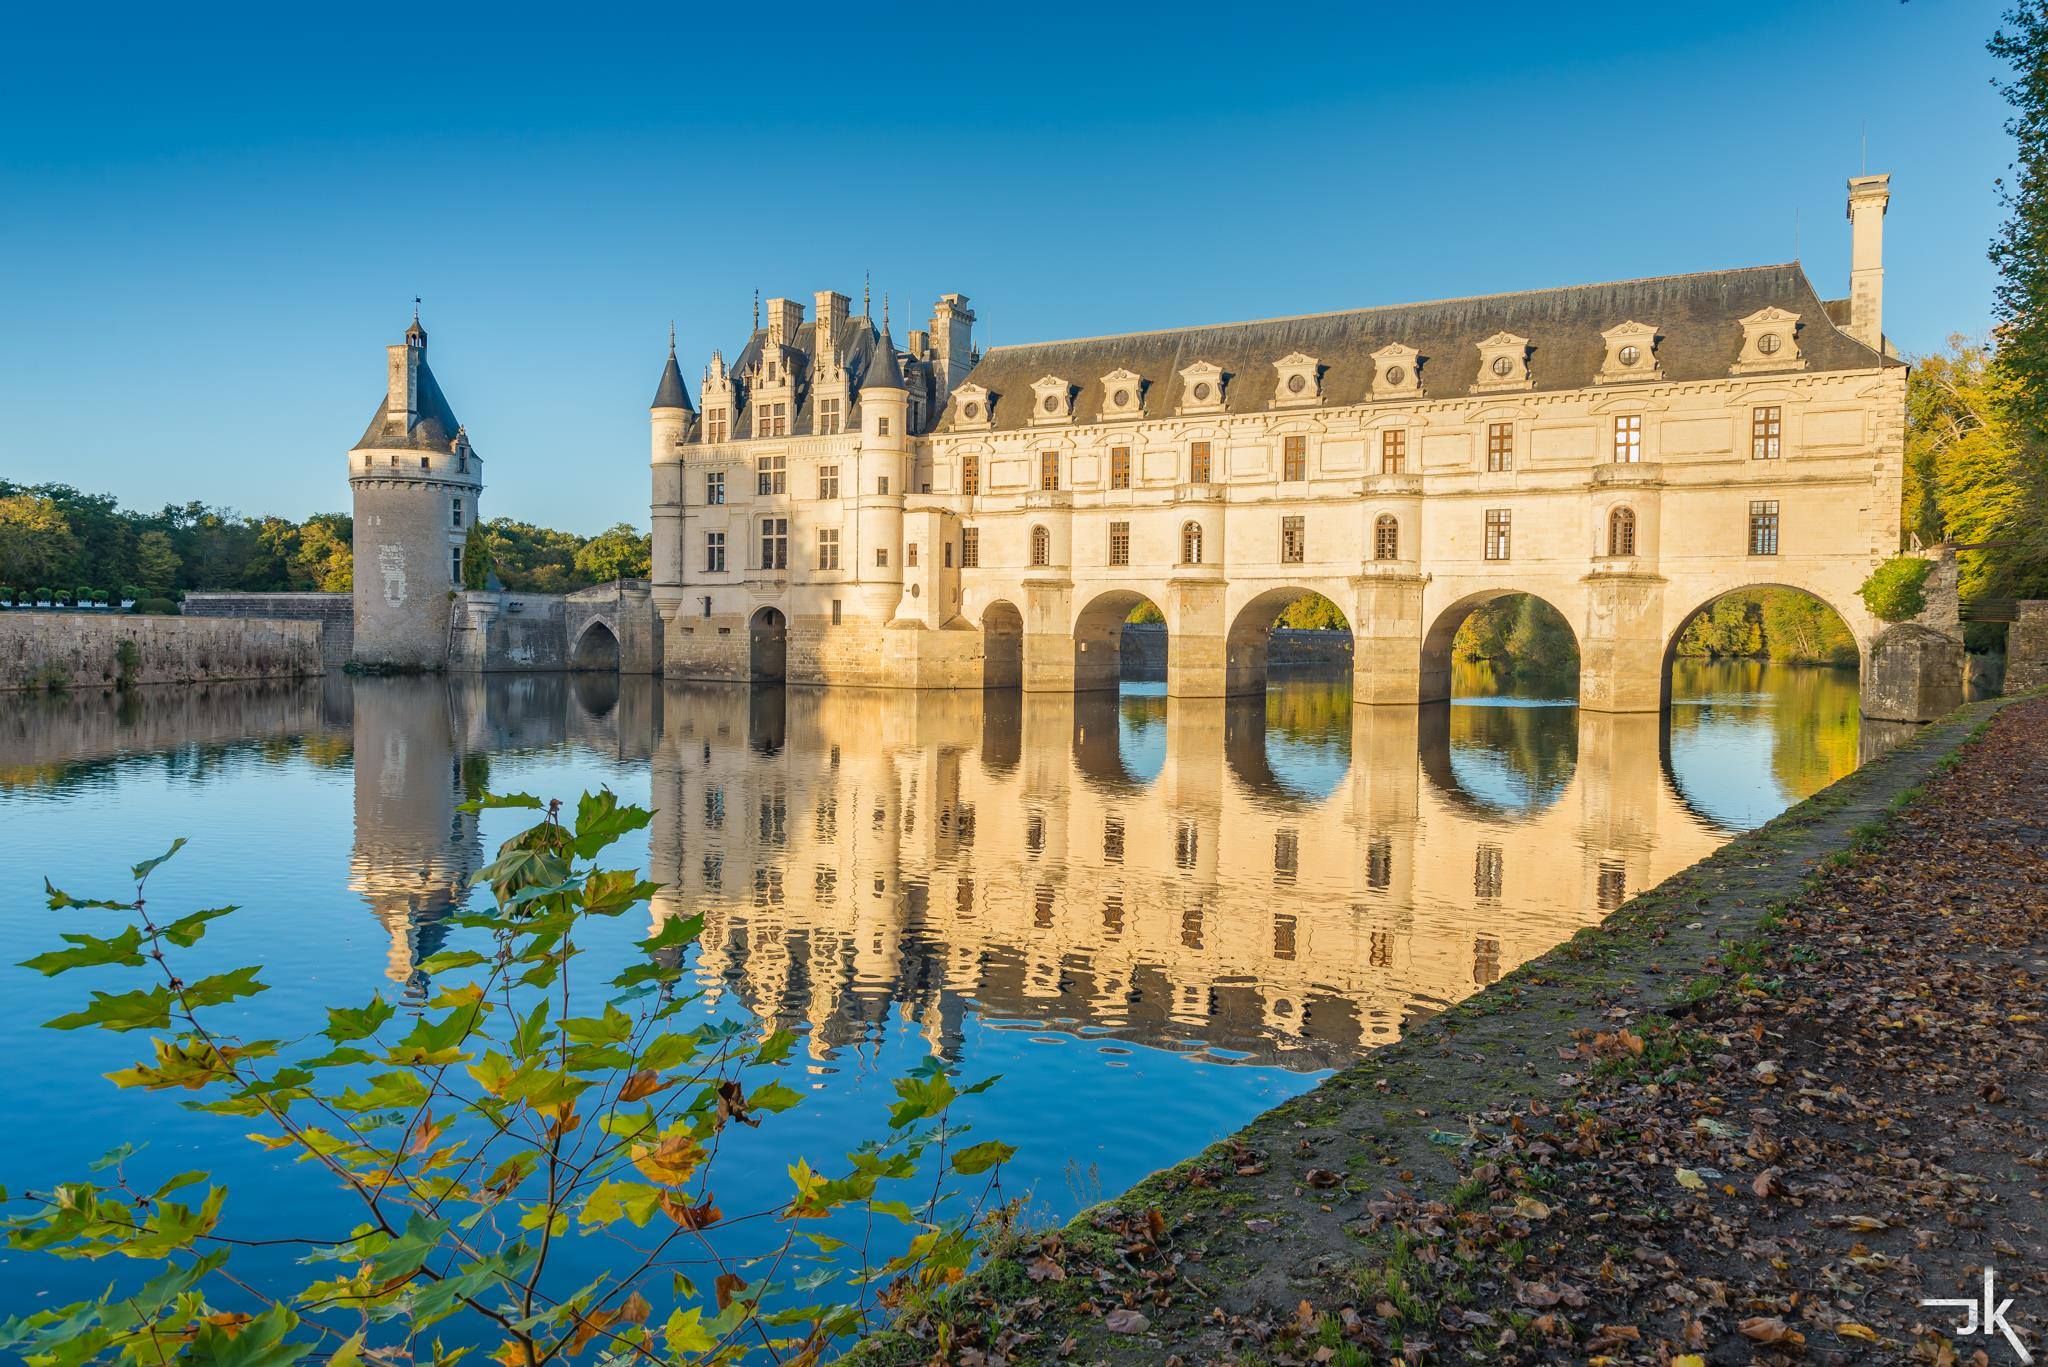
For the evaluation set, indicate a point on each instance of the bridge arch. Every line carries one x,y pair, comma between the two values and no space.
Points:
1099,633
596,647
1437,640
1858,644
1002,645
768,646
1248,639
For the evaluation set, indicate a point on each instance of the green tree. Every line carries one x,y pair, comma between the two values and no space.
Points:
157,564
326,557
616,553
492,1144
1313,612
36,544
2020,250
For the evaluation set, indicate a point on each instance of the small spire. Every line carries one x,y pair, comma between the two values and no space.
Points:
415,310
671,337
885,313
757,308
867,287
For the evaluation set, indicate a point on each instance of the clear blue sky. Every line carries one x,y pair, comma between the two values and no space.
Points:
211,224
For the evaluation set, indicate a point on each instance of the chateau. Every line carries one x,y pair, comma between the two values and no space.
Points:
834,509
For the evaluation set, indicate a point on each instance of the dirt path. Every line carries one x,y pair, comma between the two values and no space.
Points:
1761,1113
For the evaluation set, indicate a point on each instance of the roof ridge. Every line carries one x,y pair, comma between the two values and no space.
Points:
1382,308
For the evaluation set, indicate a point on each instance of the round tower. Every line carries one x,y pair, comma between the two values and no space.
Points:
416,484
669,418
884,471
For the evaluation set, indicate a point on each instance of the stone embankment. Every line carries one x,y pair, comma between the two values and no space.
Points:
335,612
78,650
1767,1108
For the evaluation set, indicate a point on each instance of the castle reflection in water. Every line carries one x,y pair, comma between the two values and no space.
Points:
1287,880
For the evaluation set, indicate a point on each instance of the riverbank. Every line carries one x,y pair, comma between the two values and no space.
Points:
1775,1102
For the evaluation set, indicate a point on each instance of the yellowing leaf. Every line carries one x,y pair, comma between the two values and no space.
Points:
672,1161
1691,1180
1862,1333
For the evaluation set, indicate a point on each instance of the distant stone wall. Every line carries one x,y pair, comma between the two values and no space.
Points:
81,650
491,631
2026,647
335,612
1145,643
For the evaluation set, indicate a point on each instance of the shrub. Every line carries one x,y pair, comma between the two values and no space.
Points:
127,662
99,598
1893,591
156,605
44,596
81,596
129,593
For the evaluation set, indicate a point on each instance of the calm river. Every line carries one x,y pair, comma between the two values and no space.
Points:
1154,917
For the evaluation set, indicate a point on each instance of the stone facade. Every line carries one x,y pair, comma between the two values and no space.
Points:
335,612
83,650
841,512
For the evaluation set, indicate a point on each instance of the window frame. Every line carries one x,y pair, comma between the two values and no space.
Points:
1767,431
1621,530
714,553
970,548
1119,467
1500,534
1293,539
1628,439
1201,462
1386,538
1765,527
1294,458
1500,447
1048,472
1119,544
1394,451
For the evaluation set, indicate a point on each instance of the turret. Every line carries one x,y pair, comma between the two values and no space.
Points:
1868,197
669,418
884,468
416,483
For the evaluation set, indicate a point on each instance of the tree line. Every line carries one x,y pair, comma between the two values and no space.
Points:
60,544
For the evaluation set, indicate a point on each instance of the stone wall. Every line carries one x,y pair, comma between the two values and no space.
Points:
81,650
335,612
1145,644
498,630
2026,647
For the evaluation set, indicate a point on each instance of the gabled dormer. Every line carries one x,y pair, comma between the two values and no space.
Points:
722,398
973,408
1503,364
1201,388
1631,354
1123,395
1396,372
1770,341
1052,401
1297,380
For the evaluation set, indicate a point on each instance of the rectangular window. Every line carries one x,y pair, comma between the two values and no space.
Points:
881,427
706,601
1393,451
970,548
715,426
949,555
774,543
771,474
881,557
1628,439
714,555
828,417
455,564
1763,527
456,509
714,487
835,601
1119,543
1119,467
1294,459
970,474
1766,430
910,556
1293,541
1500,446
882,484
828,548
1199,462
828,481
1499,527
1048,470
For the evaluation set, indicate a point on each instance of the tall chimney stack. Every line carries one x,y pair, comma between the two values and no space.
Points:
1868,196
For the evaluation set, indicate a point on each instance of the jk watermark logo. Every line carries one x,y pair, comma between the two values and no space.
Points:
1983,1317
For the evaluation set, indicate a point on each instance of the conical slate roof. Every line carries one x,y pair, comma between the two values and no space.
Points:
434,430
671,393
883,371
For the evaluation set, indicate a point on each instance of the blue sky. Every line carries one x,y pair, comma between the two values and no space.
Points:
211,224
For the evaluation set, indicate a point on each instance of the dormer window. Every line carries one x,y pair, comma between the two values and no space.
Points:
1503,364
1201,388
1631,354
1297,380
1123,395
1770,341
971,406
1395,372
1052,400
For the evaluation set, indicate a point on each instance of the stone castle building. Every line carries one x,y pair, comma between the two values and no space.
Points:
834,509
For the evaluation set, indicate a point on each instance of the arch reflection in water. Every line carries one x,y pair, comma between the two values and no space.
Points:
924,855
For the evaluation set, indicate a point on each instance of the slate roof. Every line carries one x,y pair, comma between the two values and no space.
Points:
1696,317
434,430
858,345
883,372
671,393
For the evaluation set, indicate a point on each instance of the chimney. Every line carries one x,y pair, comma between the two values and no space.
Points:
952,339
785,316
829,308
402,392
1868,196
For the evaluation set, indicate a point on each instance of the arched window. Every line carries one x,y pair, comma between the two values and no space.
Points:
1191,543
1621,532
1041,546
1386,538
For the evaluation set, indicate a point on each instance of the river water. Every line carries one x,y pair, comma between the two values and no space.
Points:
1153,917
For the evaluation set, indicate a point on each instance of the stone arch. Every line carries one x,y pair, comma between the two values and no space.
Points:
768,646
1002,645
1436,642
1706,605
1099,635
1251,631
596,648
